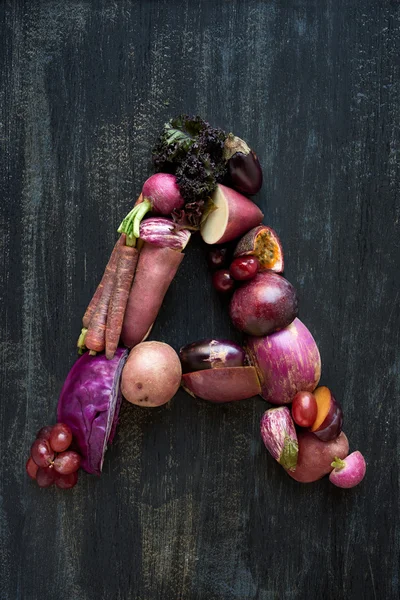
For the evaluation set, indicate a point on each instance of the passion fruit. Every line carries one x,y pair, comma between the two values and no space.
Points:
263,243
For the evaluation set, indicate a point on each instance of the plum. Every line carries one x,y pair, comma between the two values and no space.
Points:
329,421
264,304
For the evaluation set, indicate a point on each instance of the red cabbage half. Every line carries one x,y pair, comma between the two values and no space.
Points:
89,403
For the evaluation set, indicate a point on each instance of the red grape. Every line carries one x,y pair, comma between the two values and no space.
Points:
31,468
60,437
222,281
217,257
67,462
65,482
44,433
244,268
304,409
41,453
45,477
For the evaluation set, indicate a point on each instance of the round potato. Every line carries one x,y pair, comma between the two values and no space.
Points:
152,374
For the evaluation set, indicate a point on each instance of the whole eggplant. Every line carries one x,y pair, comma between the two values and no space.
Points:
211,354
244,168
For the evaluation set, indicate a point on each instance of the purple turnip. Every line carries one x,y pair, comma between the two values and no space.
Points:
348,472
160,194
264,304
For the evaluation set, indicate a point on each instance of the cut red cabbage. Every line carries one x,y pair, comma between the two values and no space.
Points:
89,403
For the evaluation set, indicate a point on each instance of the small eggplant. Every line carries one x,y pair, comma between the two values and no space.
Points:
211,354
279,436
161,232
243,166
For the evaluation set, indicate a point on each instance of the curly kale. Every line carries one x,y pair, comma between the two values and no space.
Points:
193,150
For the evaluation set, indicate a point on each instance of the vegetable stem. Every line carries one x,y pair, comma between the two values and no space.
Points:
81,339
143,208
131,224
338,463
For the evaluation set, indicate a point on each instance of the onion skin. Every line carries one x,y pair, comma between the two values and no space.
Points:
211,354
279,436
287,362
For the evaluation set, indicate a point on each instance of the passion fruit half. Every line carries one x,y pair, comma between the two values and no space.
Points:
263,243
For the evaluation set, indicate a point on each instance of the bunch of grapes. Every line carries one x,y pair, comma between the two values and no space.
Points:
51,461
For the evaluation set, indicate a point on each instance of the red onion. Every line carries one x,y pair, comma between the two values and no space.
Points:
160,194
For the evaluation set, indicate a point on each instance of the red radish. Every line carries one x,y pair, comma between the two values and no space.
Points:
243,269
287,362
232,216
162,232
109,270
222,281
128,258
263,243
155,270
279,436
349,471
264,304
160,194
222,385
151,375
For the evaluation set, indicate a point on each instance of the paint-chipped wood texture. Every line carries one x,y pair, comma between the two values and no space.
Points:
190,505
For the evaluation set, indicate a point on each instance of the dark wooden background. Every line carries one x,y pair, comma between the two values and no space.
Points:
190,505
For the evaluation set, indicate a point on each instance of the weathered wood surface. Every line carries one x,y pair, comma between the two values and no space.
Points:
190,505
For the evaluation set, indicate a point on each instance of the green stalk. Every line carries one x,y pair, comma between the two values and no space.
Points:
338,463
131,224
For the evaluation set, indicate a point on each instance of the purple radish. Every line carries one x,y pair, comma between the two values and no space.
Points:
160,194
349,471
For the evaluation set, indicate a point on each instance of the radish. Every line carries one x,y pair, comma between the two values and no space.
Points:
230,215
160,194
349,471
